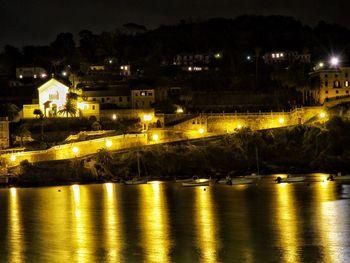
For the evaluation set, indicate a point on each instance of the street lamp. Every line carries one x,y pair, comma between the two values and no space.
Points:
322,115
334,61
13,158
75,149
109,143
281,120
201,130
155,137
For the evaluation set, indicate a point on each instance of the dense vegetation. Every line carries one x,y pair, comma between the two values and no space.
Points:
322,147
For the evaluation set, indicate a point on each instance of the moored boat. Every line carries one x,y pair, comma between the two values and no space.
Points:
196,183
339,177
135,181
236,181
290,179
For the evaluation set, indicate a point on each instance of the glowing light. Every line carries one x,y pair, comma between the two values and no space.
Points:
109,143
322,115
217,55
249,57
281,120
321,64
82,106
75,149
189,68
13,158
334,61
110,61
179,110
147,117
114,116
64,73
43,75
122,67
239,126
201,130
21,76
155,137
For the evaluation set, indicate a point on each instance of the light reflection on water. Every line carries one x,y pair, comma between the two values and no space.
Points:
15,229
91,223
154,221
286,222
206,225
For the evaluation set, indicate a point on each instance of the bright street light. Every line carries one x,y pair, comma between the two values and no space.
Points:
201,130
147,117
155,137
322,115
334,61
109,143
13,158
75,149
281,120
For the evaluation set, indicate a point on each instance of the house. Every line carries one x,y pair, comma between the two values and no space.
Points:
53,97
4,133
326,83
118,96
143,98
286,57
30,72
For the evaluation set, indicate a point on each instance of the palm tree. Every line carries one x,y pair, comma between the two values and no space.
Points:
70,108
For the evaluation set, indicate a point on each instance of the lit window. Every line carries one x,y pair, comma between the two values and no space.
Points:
346,83
273,55
143,93
277,55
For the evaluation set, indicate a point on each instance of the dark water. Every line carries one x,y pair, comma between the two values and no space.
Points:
164,222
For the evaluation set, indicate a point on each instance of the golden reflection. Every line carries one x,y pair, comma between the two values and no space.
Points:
327,220
155,223
206,225
113,238
15,229
81,239
286,221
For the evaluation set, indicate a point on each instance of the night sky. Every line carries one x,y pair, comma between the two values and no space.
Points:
26,22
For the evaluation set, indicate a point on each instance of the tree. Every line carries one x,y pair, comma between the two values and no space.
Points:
22,131
70,108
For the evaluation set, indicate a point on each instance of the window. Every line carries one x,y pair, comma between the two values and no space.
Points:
128,99
336,75
336,84
325,75
143,93
326,91
93,99
347,92
120,99
107,98
93,107
103,100
346,83
326,83
337,91
346,74
149,93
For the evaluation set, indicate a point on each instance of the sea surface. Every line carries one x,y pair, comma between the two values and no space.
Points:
165,222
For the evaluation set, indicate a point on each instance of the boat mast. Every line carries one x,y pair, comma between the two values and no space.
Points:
138,164
257,159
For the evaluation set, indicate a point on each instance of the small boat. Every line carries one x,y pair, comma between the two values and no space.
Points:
339,177
135,181
226,180
196,183
253,176
236,181
290,179
186,180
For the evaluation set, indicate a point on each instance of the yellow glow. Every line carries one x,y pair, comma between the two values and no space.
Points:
114,116
83,106
327,223
286,221
201,130
206,225
147,117
321,64
15,229
155,137
322,115
109,143
75,149
13,158
239,126
281,120
114,239
154,221
179,110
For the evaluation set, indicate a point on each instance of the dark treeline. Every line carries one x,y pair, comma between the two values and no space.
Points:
235,37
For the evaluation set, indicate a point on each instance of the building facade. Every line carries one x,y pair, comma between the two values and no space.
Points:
4,133
142,98
328,83
286,57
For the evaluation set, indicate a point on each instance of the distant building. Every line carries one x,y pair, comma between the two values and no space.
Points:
125,70
53,97
118,96
142,98
31,72
327,83
286,57
4,133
